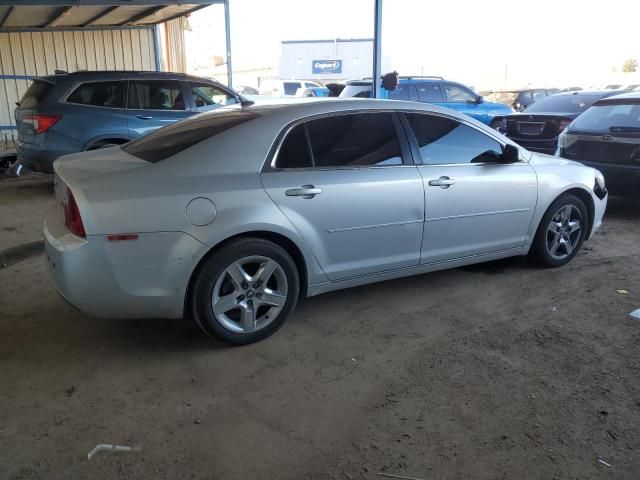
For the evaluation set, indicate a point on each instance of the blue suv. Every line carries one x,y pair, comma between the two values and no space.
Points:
71,112
437,91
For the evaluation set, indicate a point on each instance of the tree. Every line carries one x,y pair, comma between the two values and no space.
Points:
630,65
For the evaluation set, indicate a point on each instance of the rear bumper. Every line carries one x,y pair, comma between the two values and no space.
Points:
547,146
37,158
145,278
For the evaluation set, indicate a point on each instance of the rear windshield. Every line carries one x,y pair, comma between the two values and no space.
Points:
609,119
168,141
35,94
563,103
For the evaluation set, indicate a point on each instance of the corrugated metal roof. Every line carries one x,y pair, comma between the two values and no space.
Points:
58,14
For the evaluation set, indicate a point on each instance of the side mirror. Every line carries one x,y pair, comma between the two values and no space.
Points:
510,154
479,99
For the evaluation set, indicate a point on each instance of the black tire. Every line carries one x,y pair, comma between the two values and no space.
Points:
540,250
214,267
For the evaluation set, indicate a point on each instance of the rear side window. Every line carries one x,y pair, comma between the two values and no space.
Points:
156,95
168,141
403,92
354,140
290,88
35,94
446,141
99,94
430,93
294,151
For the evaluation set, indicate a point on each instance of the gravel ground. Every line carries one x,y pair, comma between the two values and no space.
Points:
501,370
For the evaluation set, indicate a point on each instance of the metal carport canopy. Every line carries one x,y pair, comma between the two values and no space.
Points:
20,15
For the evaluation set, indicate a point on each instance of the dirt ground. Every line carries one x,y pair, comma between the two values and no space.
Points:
502,370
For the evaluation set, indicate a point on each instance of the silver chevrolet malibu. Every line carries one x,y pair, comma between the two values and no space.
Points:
230,216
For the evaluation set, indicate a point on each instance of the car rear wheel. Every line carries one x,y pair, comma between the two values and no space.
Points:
561,232
244,292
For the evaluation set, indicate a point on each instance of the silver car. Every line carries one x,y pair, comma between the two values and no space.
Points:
230,216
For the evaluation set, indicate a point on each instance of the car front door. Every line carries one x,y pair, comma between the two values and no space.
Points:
152,104
474,204
346,184
207,97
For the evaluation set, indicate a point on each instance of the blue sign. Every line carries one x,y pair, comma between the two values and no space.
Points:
326,66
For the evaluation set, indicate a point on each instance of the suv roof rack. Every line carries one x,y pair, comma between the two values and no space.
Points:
418,77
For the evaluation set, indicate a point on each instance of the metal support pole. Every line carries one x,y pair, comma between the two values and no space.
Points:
377,42
227,29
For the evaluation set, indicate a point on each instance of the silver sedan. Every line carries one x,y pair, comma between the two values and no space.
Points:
232,215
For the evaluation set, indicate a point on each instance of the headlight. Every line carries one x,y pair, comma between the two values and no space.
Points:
600,180
599,186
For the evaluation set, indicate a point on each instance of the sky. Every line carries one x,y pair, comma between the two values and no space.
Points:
539,42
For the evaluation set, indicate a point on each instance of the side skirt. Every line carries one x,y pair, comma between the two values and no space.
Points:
320,288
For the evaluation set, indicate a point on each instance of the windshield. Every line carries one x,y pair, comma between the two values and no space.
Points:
503,97
573,103
602,118
168,141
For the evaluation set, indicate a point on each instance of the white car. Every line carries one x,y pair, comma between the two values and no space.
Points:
285,88
231,215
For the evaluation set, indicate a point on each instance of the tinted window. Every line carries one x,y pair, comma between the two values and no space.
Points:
310,85
444,141
571,103
156,95
35,94
99,94
174,138
539,95
602,118
400,93
354,140
205,95
430,92
363,94
290,88
294,151
458,94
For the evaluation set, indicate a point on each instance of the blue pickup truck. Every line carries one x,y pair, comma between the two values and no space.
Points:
438,91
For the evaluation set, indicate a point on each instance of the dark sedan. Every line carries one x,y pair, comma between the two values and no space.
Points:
607,137
537,128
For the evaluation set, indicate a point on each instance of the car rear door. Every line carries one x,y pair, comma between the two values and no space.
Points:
474,205
346,183
152,104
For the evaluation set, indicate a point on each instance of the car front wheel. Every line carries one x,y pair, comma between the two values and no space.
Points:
561,232
244,292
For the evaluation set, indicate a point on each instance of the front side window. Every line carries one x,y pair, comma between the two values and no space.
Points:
205,95
445,141
294,151
156,95
290,88
354,140
99,94
430,93
458,94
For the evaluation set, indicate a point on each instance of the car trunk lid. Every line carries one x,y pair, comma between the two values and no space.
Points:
608,148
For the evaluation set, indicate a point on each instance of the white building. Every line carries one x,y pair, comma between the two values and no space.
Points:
338,59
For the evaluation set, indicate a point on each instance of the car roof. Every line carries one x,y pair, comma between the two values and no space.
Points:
363,82
589,93
91,75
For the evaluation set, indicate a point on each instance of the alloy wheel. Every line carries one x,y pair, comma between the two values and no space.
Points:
249,294
563,232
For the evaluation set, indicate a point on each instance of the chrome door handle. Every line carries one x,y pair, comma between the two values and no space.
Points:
305,191
442,182
144,117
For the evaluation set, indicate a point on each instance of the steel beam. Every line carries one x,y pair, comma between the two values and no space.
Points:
377,48
58,16
6,15
102,14
227,30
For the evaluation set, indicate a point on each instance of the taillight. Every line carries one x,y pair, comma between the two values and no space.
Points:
42,123
563,124
72,219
